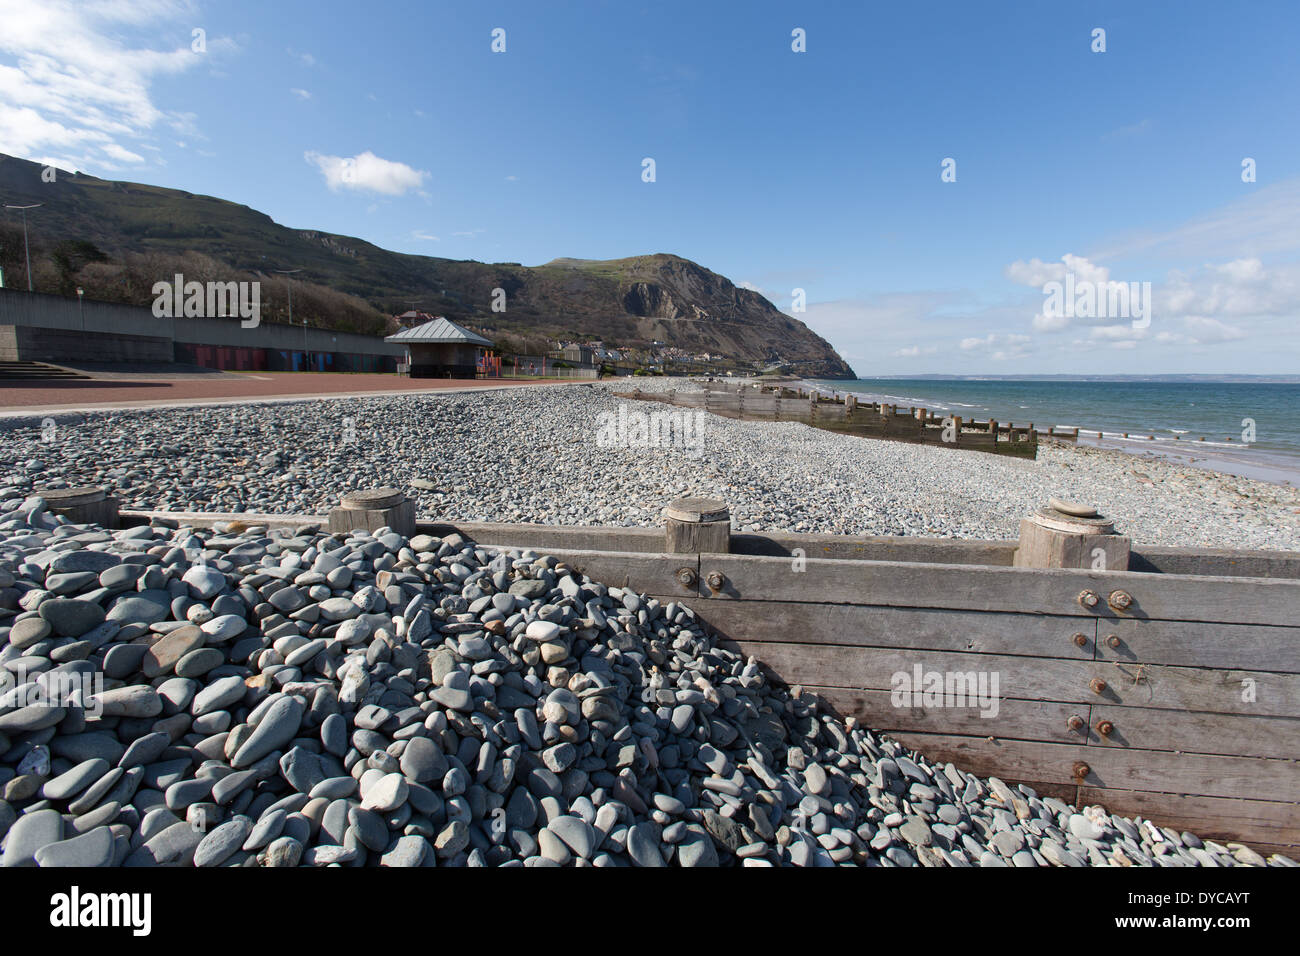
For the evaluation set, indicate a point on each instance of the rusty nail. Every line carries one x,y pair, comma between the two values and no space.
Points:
1105,728
1088,598
686,577
1120,600
1081,640
716,580
1112,640
1081,769
1098,685
1075,722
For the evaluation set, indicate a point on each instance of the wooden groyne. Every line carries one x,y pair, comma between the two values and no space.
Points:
779,403
1162,682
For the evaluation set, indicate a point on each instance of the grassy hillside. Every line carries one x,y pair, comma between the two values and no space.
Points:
115,239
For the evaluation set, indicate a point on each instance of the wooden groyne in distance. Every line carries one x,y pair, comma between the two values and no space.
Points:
1169,688
776,403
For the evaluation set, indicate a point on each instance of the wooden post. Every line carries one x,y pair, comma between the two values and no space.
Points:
697,526
993,430
372,510
84,505
1069,535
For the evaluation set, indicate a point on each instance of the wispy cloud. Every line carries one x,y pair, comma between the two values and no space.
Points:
1260,223
74,92
301,94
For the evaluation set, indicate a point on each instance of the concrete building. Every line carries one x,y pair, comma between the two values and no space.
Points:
441,349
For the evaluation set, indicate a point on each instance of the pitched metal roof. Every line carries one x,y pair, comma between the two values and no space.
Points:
439,330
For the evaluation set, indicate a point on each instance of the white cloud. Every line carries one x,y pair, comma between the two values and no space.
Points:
914,351
301,94
425,236
367,172
1000,347
72,84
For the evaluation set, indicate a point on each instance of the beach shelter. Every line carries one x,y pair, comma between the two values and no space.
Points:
441,349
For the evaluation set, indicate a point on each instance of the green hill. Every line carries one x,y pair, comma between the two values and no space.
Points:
114,239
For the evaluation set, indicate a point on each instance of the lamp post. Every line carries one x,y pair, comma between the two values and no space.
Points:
26,251
80,308
288,284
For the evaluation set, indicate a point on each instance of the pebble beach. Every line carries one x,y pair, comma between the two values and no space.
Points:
532,456
174,697
246,696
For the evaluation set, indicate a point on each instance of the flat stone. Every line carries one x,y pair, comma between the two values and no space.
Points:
386,794
576,833
91,849
31,832
407,851
163,654
70,617
67,785
222,843
278,726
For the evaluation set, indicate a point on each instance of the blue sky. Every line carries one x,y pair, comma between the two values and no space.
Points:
817,170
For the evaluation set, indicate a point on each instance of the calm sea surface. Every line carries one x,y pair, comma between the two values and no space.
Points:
1183,410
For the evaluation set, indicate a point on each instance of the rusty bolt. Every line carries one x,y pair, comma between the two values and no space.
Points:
1105,728
1113,640
1120,600
1081,769
1088,598
1098,685
1081,640
716,580
686,577
1075,723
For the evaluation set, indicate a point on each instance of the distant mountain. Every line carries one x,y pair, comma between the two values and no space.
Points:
107,236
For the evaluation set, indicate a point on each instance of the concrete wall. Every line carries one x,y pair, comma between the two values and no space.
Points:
92,327
34,344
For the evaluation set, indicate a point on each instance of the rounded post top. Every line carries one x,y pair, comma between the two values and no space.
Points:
697,509
72,497
373,499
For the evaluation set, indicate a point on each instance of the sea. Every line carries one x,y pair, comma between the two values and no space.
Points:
1250,429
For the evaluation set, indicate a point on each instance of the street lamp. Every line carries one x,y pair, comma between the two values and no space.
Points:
26,250
80,308
288,284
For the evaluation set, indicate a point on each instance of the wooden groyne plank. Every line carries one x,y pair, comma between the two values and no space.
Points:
984,588
1035,678
853,625
1202,645
1114,768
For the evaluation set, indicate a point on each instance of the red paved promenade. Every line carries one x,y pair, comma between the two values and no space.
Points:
142,389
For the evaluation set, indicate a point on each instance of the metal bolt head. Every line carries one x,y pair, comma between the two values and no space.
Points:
1105,728
1120,600
1088,598
1081,770
1113,640
1098,685
686,577
715,580
1081,640
1075,723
